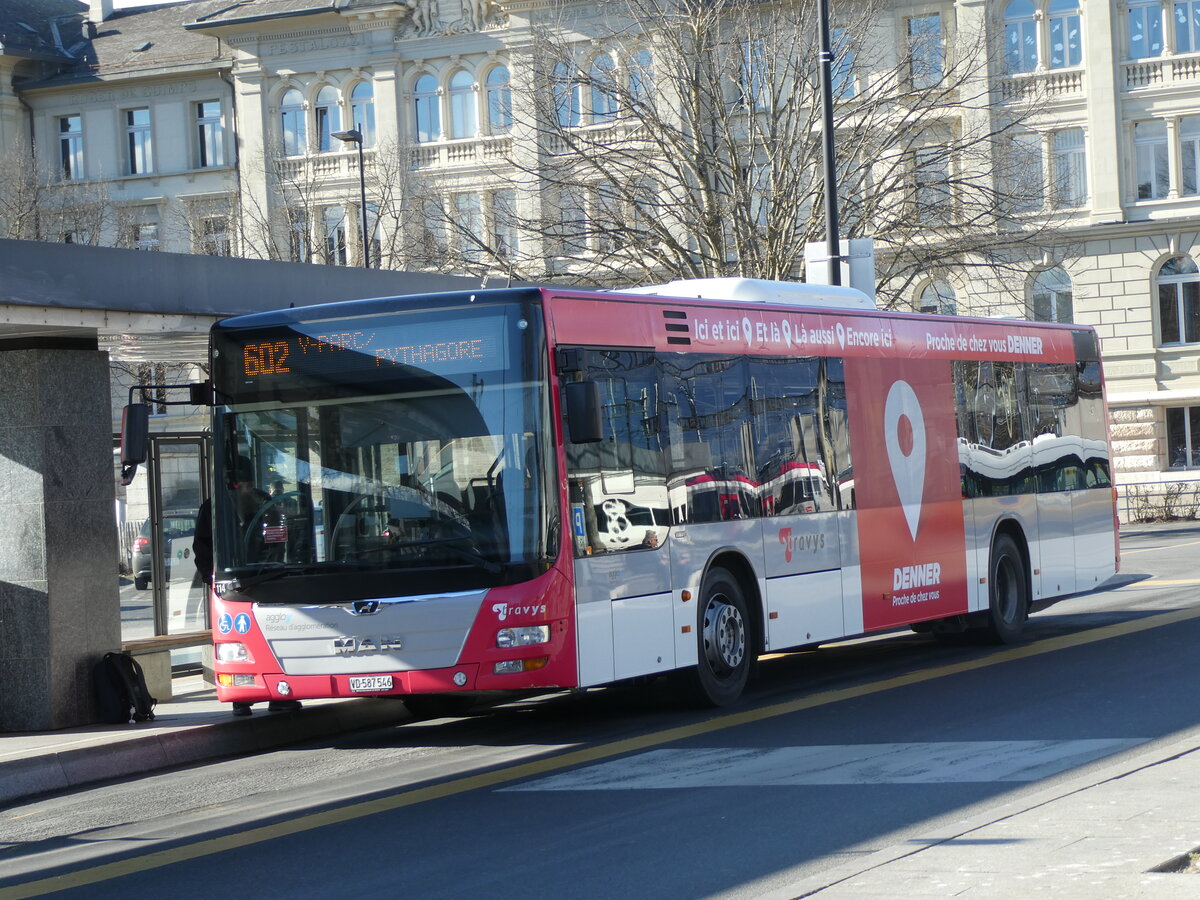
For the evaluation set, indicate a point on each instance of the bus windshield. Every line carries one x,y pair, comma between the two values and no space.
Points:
433,473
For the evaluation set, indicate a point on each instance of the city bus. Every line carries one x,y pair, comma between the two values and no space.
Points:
529,489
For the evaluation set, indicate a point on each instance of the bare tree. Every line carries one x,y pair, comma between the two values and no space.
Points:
38,205
681,138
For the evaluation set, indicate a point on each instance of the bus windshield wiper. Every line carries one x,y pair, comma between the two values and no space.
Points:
271,571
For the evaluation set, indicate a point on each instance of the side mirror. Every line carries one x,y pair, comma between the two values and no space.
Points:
135,439
584,420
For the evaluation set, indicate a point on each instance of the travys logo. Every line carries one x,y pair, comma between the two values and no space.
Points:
795,542
503,610
904,435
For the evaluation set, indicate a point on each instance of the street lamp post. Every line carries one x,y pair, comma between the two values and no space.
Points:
833,251
354,136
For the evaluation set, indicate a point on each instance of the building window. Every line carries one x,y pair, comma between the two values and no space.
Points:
926,50
1069,159
603,82
295,135
499,101
362,111
335,236
144,236
214,236
210,135
138,147
932,171
329,119
504,224
468,226
1145,29
841,71
375,225
155,397
70,147
1179,301
1189,154
462,105
1020,36
1066,34
428,119
937,298
1150,159
755,80
641,76
568,97
1022,173
299,245
1052,296
1187,26
1183,437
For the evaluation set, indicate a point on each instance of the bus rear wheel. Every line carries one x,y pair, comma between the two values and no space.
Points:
725,642
1008,592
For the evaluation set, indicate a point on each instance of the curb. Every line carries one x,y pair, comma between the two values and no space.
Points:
168,747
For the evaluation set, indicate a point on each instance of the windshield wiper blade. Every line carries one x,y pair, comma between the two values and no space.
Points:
278,570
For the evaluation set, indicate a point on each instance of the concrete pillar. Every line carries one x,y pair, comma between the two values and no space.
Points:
59,608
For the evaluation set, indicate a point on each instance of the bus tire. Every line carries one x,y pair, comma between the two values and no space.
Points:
725,641
1008,592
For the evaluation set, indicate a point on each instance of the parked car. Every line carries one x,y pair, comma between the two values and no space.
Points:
175,525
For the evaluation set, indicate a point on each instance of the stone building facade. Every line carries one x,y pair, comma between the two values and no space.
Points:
181,121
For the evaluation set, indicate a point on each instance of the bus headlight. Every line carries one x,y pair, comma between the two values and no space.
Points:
233,652
525,636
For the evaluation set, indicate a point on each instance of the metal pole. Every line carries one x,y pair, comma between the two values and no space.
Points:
833,249
362,190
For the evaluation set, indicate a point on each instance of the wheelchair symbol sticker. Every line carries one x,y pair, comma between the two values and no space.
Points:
241,624
225,623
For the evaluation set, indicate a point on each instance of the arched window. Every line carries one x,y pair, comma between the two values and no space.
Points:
641,76
603,90
937,297
329,119
291,114
499,101
1179,301
362,111
427,117
1066,35
1052,296
1020,36
462,105
568,108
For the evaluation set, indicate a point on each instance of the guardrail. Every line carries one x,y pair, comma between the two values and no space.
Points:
1159,501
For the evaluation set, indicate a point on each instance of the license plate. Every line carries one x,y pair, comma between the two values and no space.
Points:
370,683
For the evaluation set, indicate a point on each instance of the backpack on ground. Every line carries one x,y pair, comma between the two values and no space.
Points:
121,693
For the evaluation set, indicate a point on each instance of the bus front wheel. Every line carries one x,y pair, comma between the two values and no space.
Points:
1008,592
725,643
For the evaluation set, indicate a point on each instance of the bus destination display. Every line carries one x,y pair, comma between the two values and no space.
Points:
323,349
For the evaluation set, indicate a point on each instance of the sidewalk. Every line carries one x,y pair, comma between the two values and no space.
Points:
192,727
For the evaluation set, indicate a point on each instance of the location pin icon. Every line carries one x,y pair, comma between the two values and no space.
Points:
904,435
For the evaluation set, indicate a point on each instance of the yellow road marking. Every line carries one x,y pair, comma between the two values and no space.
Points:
1125,553
461,785
1159,582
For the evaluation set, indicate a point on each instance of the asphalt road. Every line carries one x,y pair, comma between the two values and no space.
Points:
620,793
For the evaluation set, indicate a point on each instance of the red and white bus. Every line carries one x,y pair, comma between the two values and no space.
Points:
532,488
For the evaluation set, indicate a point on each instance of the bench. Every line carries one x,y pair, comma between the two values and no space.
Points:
154,656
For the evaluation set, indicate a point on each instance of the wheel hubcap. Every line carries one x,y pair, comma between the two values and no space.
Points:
724,635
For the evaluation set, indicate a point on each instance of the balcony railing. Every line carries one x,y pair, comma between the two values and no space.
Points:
470,152
326,166
1149,73
1053,84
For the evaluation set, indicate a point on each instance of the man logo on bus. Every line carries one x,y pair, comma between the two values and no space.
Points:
904,434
